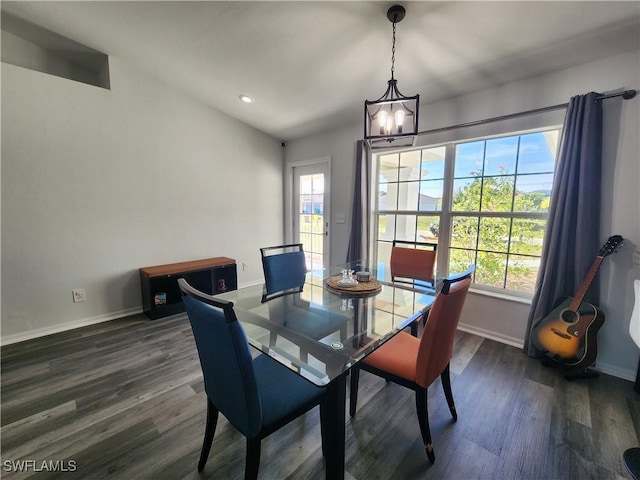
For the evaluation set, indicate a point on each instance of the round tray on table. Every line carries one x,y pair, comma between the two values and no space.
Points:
359,289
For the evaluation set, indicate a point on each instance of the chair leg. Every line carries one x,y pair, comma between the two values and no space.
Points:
423,420
353,390
252,462
445,376
209,432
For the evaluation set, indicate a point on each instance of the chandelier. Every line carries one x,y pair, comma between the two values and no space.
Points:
392,118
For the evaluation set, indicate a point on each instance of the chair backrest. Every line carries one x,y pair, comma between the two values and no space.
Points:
284,267
225,359
416,261
436,343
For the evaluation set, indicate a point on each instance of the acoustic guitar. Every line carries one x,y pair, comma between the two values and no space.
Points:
569,333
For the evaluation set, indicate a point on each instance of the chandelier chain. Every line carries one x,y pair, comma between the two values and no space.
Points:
393,50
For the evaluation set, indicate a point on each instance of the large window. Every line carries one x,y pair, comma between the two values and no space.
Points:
484,202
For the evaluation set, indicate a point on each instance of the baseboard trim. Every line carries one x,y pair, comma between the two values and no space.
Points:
614,371
491,335
605,368
63,327
83,322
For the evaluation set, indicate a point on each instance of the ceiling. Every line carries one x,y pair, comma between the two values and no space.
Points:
310,65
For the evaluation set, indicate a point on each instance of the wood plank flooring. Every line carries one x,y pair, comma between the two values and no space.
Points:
125,400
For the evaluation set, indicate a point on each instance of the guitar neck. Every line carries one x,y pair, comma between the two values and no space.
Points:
586,283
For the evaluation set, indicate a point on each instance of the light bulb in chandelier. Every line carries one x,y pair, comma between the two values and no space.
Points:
389,125
399,120
382,121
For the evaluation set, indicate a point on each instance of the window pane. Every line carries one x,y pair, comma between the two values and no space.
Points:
490,269
386,227
494,234
431,195
466,195
538,152
317,204
459,260
306,184
388,167
305,239
318,184
533,193
522,273
305,223
469,159
383,260
388,197
464,232
305,204
317,224
316,244
527,235
433,163
410,165
428,228
408,193
406,227
497,194
500,157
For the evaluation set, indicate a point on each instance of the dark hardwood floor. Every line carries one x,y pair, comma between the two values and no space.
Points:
125,400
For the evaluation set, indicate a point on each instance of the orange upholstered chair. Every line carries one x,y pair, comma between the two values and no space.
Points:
416,363
413,264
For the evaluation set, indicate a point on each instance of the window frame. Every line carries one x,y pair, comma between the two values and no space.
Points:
446,214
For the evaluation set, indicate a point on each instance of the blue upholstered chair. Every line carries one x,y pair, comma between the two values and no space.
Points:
257,395
284,269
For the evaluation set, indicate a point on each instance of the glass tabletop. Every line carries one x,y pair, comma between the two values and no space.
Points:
322,329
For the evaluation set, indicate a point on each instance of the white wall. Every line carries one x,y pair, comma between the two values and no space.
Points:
98,183
502,319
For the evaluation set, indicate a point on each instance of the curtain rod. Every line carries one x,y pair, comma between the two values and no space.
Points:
627,95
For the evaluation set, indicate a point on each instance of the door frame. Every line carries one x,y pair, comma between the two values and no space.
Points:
288,201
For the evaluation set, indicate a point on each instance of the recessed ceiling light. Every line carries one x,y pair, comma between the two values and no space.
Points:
246,98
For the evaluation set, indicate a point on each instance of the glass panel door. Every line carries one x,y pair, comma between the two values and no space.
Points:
310,219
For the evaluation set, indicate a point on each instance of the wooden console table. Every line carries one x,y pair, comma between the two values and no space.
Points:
160,292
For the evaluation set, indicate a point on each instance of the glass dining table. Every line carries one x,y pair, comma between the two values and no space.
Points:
322,328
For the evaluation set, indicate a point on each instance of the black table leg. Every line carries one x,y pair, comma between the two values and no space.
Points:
337,393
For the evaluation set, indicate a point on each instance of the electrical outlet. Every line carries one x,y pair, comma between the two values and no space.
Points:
78,295
245,267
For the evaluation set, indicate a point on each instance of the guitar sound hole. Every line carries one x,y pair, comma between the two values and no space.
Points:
569,316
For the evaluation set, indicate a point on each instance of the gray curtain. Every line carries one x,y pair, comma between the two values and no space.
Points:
361,211
572,239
